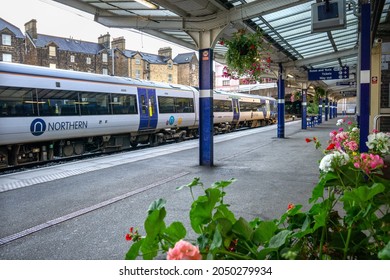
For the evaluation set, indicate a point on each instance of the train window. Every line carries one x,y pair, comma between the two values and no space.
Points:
58,102
222,106
94,103
143,104
151,105
250,106
169,105
184,105
166,104
18,102
123,104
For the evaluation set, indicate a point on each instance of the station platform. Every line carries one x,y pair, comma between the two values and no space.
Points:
82,210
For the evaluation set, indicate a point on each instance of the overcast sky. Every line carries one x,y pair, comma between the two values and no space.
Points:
58,20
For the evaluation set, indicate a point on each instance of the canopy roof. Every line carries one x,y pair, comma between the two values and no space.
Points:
286,24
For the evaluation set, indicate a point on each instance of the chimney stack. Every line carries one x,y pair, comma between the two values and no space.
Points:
31,28
104,40
119,43
167,52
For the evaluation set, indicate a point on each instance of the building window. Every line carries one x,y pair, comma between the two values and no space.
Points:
137,74
138,61
6,39
52,66
105,71
170,65
104,57
226,83
72,59
169,77
89,60
52,51
7,57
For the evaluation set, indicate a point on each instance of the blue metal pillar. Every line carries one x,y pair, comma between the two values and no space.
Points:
320,110
326,108
365,66
304,107
335,109
331,110
281,97
206,124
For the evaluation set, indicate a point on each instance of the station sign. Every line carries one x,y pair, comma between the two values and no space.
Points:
350,93
332,73
348,84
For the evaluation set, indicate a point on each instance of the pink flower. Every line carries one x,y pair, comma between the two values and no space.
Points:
352,145
184,250
368,162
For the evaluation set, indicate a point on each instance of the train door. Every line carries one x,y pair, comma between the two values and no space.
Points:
147,108
236,112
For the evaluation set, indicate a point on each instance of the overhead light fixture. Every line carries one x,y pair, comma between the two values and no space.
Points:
147,4
290,76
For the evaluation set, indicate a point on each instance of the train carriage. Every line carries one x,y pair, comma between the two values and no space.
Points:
48,113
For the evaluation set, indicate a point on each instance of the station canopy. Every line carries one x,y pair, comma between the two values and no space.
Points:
286,24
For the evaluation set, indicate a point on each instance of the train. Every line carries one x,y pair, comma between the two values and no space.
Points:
48,114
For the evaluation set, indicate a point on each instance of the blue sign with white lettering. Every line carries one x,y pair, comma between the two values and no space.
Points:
332,73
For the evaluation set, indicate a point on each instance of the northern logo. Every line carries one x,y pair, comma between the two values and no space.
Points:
38,127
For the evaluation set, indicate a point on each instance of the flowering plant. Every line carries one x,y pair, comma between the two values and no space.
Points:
247,56
348,217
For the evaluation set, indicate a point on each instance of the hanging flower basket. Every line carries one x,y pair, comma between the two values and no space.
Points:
247,56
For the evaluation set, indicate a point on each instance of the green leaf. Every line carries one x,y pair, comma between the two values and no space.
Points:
149,248
290,213
363,193
201,209
156,205
154,222
195,182
224,226
176,231
318,190
224,212
223,184
279,239
264,232
243,229
320,218
384,254
217,240
133,252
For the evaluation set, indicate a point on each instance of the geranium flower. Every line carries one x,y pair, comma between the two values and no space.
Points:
379,143
331,146
184,250
332,160
133,235
290,206
368,162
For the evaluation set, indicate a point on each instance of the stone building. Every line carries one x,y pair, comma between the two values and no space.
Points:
66,53
104,57
12,43
187,69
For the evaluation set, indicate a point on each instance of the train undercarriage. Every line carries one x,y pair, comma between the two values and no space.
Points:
21,154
